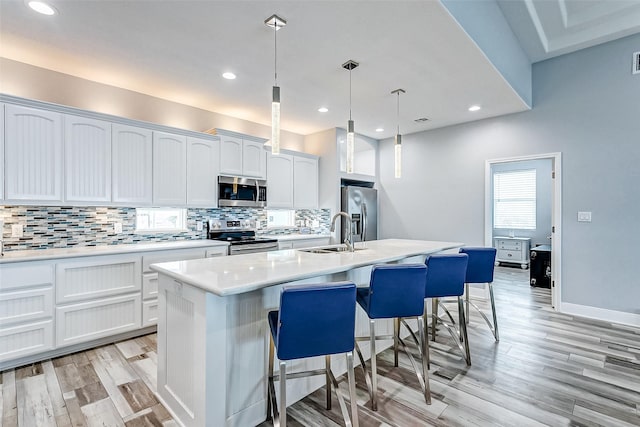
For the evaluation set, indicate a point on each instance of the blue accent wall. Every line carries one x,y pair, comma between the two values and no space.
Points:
485,23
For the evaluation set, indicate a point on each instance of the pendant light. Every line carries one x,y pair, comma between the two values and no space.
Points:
275,22
350,65
398,140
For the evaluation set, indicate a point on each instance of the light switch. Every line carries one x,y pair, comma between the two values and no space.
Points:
584,216
198,225
117,227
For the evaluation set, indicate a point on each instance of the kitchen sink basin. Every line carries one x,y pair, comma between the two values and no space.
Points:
329,249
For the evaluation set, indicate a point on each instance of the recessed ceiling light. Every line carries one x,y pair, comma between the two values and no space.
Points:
474,108
323,109
42,7
379,130
229,76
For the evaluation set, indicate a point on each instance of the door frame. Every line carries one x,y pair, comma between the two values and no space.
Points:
556,217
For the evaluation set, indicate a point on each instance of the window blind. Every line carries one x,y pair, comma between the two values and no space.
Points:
514,199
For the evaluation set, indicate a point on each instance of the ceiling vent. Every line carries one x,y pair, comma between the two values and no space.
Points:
421,120
636,63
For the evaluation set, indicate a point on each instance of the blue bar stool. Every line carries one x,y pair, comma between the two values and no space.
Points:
445,278
395,292
480,270
313,320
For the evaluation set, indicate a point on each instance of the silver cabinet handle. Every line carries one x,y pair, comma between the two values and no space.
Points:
363,230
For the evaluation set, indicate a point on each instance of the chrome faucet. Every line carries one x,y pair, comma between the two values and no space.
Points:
348,240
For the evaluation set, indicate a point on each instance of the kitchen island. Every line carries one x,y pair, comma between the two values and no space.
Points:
212,329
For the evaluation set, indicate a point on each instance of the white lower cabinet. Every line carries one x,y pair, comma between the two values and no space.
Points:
303,243
26,339
26,310
150,312
85,321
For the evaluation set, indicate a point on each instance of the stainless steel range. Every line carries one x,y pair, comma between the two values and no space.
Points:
242,240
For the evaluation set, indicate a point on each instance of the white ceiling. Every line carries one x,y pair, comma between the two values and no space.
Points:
178,49
548,28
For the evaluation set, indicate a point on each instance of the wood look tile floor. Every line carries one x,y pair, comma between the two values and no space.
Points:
548,369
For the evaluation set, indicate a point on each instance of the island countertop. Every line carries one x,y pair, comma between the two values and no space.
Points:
245,273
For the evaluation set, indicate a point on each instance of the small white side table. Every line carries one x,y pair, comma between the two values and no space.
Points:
512,250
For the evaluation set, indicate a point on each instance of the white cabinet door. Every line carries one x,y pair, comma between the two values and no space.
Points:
169,169
132,161
1,151
254,159
86,321
33,154
202,172
230,155
87,145
280,181
25,339
305,183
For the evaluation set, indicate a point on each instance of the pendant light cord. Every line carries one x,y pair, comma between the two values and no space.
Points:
398,114
275,51
349,94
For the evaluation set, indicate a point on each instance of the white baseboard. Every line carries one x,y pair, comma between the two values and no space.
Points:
613,316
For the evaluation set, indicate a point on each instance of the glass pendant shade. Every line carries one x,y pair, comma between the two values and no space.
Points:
275,121
398,156
350,146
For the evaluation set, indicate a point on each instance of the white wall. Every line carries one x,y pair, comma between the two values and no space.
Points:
31,82
587,106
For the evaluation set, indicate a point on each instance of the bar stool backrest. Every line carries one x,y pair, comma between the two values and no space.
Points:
396,291
316,320
481,264
445,275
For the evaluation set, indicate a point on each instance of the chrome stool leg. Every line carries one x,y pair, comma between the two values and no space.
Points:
493,309
396,337
434,317
463,331
352,390
283,394
466,291
374,365
424,344
327,367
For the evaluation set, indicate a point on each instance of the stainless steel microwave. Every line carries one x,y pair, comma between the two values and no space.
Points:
242,192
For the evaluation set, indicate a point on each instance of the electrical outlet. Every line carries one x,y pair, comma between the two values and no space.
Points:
584,216
198,225
117,227
17,230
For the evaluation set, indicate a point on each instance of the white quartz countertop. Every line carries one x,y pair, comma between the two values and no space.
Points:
245,273
46,254
287,237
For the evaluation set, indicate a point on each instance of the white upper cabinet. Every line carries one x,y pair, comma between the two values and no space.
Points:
87,145
33,154
230,155
254,159
305,183
202,172
132,163
280,181
242,157
1,152
169,169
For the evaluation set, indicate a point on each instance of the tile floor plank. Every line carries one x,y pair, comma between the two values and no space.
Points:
34,404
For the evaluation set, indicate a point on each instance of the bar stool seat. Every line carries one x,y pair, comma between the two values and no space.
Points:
445,278
313,320
395,291
480,270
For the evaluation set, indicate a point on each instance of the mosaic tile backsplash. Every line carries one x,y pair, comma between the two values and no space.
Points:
48,227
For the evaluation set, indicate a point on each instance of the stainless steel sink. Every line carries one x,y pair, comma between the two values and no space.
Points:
328,249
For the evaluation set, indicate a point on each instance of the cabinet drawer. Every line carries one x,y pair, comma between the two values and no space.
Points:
86,321
27,339
25,275
96,278
149,285
215,252
506,255
285,245
149,313
169,256
510,244
27,305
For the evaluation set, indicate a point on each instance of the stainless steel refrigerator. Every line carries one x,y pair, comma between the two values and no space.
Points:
361,203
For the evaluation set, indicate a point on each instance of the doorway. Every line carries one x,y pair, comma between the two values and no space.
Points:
555,214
